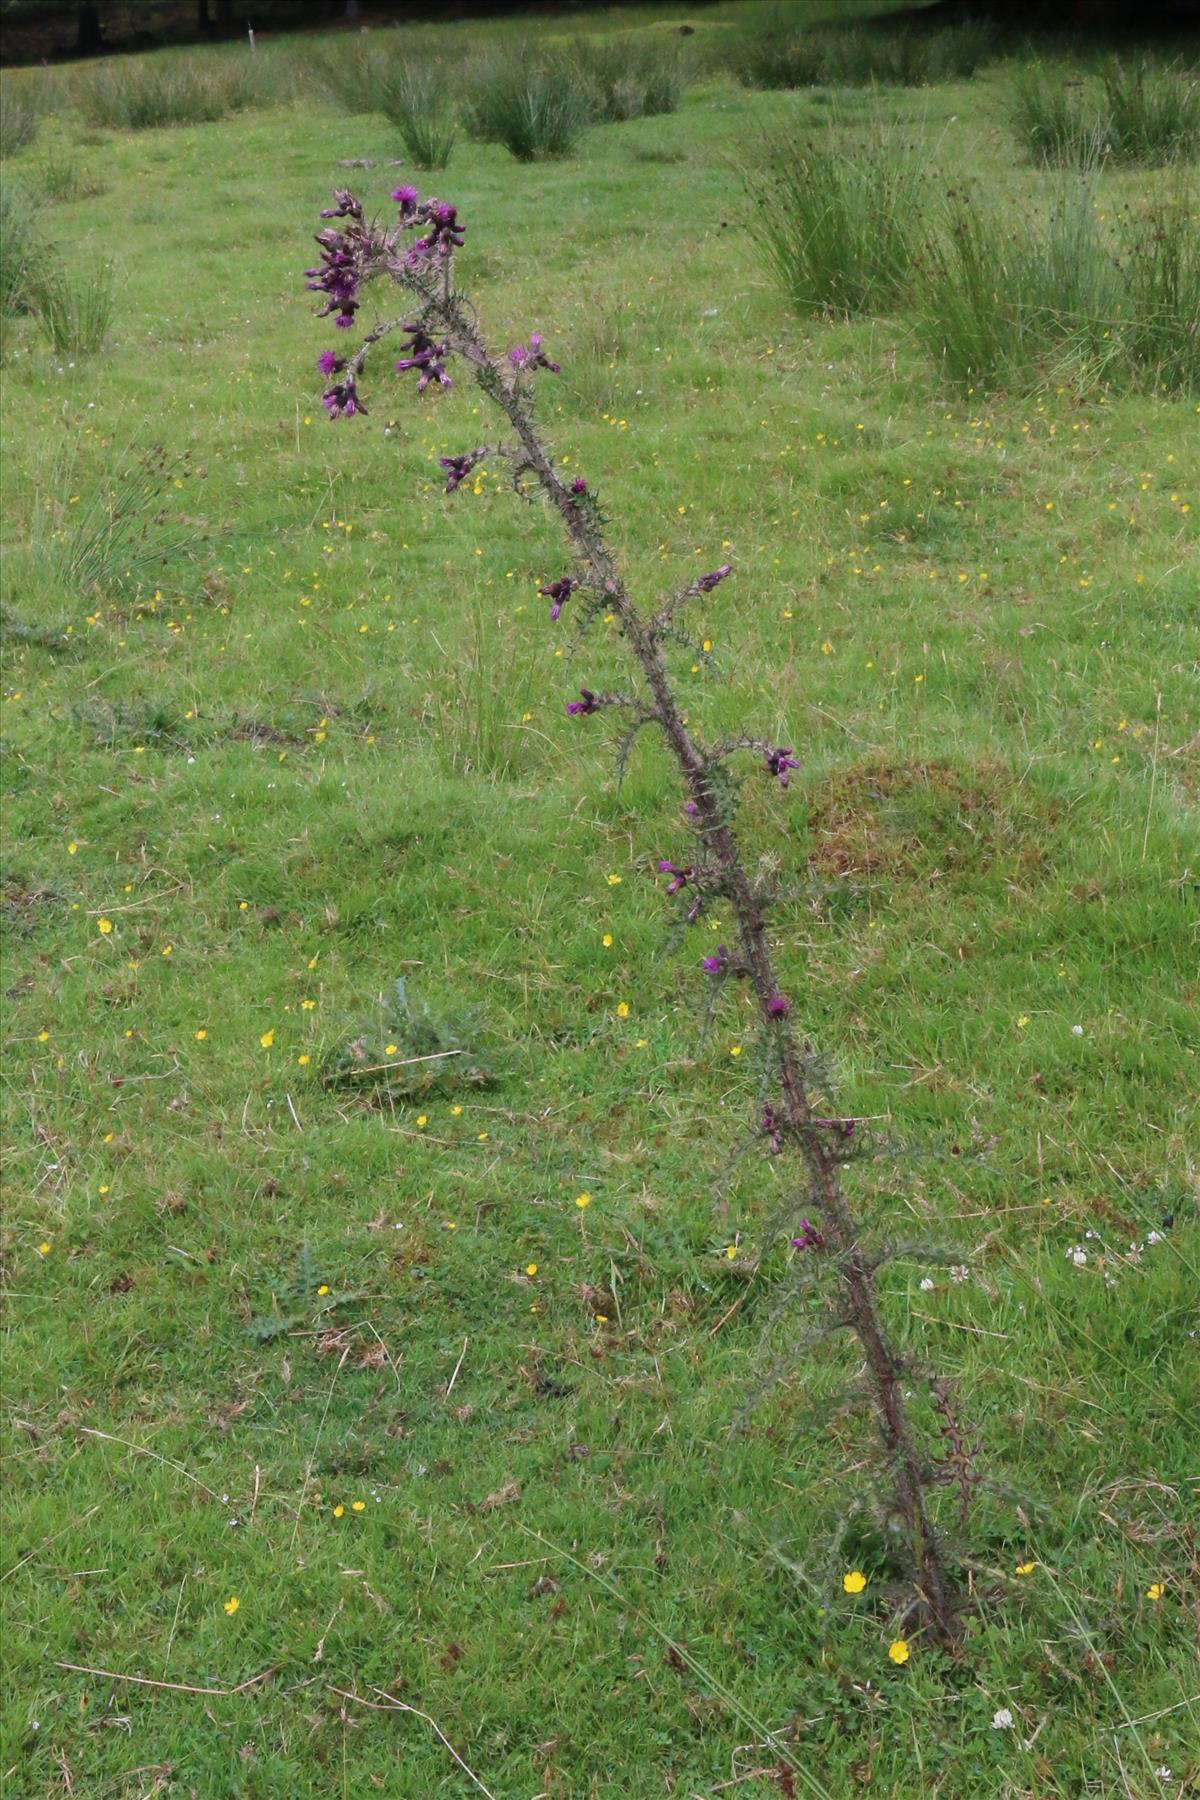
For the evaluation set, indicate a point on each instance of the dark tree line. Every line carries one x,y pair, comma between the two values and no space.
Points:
88,27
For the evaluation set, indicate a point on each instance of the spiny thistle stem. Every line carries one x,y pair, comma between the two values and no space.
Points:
446,327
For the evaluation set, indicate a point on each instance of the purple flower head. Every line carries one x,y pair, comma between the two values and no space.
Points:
777,1006
459,467
341,401
443,233
559,592
779,762
536,356
587,703
679,877
716,965
771,1126
579,486
406,199
692,810
336,276
843,1127
530,356
330,363
421,352
706,583
810,1238
345,206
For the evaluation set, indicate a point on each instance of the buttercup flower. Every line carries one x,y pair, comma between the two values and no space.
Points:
854,1581
898,1651
232,1604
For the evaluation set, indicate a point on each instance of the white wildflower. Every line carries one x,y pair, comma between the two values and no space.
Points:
1002,1719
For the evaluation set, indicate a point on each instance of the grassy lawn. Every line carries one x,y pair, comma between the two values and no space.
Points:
580,1484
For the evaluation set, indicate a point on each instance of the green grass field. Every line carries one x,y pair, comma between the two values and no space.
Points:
317,1386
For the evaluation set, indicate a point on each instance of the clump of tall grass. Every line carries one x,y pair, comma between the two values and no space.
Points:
61,178
413,93
1153,113
1147,113
782,54
21,250
839,224
631,78
86,538
537,107
18,119
73,307
415,98
778,55
1050,115
1161,266
1009,303
145,93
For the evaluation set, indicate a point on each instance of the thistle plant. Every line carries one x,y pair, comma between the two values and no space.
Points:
416,254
